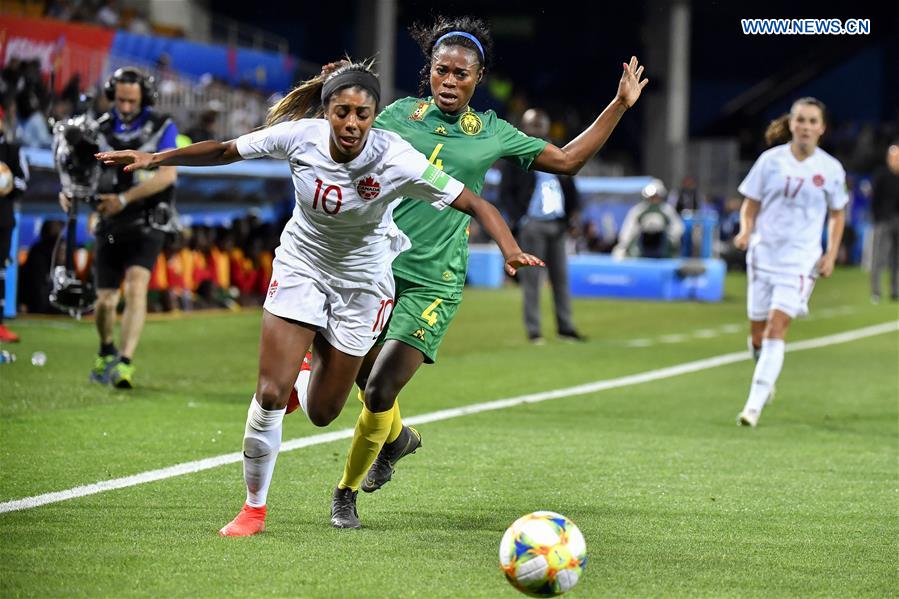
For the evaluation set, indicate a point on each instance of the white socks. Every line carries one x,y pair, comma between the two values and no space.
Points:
301,386
767,369
261,442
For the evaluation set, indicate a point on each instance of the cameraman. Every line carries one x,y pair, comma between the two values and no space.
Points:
135,210
13,179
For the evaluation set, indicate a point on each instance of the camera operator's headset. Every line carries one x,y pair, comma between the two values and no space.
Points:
148,93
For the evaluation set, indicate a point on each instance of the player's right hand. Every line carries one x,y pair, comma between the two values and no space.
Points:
64,202
131,158
741,241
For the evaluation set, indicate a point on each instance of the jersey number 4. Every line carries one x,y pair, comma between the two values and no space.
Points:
329,190
430,314
438,162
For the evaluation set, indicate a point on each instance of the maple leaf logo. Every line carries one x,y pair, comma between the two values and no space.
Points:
368,188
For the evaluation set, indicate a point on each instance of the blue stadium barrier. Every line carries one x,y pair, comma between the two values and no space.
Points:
642,278
485,267
598,275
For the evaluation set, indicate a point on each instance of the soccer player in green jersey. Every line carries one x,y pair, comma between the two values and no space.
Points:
429,277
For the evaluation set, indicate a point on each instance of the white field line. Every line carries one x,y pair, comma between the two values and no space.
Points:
597,386
731,328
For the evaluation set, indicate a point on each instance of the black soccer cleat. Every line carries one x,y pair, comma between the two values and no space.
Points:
382,469
343,509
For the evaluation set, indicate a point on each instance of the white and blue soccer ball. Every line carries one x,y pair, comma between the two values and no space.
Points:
543,554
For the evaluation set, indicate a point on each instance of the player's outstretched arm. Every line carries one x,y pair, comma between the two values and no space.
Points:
492,222
570,159
204,153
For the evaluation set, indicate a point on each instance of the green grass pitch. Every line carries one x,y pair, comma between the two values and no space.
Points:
673,498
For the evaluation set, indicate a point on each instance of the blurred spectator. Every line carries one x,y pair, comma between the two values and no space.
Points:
34,132
34,274
652,228
60,110
220,251
207,292
248,112
589,240
885,217
166,76
204,128
158,297
13,183
139,24
108,14
179,272
64,10
688,196
72,91
8,116
727,229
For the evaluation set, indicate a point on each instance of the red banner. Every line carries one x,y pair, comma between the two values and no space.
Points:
61,47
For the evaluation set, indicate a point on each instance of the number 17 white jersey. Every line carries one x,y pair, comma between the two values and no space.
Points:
795,197
342,231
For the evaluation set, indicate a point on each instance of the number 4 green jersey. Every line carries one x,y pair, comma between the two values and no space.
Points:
465,146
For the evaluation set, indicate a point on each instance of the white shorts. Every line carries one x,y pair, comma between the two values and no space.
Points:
349,319
768,291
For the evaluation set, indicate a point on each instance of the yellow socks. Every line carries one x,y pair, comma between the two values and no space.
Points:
396,427
372,429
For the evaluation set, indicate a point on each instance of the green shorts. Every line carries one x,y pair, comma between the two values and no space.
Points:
421,316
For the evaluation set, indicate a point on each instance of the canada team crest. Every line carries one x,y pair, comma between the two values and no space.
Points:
818,180
273,288
368,188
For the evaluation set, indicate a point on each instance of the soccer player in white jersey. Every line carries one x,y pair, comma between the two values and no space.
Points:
332,286
789,191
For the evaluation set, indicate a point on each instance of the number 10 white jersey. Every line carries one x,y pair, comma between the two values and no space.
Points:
342,231
795,197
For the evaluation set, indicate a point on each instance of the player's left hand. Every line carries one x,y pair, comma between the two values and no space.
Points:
630,86
109,204
332,66
825,266
519,260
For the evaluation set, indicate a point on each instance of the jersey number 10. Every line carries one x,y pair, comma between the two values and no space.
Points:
330,189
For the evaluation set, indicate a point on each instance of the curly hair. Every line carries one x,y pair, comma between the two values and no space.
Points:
305,99
426,35
778,131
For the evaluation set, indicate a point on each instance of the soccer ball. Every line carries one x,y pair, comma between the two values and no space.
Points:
543,554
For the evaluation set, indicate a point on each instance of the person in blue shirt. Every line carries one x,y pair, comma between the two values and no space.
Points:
542,208
135,210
